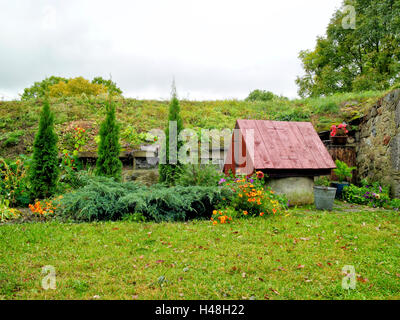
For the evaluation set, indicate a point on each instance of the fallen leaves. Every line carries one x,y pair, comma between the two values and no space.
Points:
362,279
274,291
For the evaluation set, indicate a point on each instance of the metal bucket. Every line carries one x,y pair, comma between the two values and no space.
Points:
324,197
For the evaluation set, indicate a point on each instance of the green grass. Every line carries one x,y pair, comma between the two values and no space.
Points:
144,115
250,259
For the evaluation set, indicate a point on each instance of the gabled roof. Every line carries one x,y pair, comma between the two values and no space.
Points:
282,145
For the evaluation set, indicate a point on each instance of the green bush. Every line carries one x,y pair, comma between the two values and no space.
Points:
322,182
395,204
14,182
104,199
343,171
371,194
260,95
199,175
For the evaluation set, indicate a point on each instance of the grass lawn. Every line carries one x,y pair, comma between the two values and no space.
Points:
298,256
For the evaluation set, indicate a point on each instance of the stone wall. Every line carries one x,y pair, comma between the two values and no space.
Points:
378,142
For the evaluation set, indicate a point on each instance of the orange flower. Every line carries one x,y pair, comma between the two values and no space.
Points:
274,210
261,214
245,213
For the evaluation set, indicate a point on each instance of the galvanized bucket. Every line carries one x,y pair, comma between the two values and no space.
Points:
324,197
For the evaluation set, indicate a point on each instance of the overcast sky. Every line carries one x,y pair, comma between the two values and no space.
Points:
215,49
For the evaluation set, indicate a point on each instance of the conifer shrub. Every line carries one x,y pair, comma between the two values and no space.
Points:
97,200
44,169
105,199
174,203
108,163
169,171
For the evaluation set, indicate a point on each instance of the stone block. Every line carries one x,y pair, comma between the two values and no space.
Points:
298,190
397,115
395,152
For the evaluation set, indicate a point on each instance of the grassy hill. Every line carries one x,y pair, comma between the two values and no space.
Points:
19,119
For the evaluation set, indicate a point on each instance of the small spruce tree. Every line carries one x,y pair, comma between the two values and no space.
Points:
169,171
44,169
108,163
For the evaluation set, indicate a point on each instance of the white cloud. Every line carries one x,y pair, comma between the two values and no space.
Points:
214,49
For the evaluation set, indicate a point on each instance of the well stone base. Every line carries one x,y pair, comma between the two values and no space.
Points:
299,190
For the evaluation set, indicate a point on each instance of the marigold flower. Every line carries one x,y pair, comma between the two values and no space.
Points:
260,175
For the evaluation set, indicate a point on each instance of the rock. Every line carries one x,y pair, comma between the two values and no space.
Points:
373,131
397,115
373,112
386,140
395,152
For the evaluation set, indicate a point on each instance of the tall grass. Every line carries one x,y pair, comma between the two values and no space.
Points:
145,115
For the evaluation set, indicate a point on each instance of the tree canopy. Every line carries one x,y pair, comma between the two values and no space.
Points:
260,95
346,59
63,87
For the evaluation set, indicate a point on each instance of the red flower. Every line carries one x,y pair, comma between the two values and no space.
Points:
342,127
260,175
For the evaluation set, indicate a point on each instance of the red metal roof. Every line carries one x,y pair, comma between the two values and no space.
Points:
286,145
